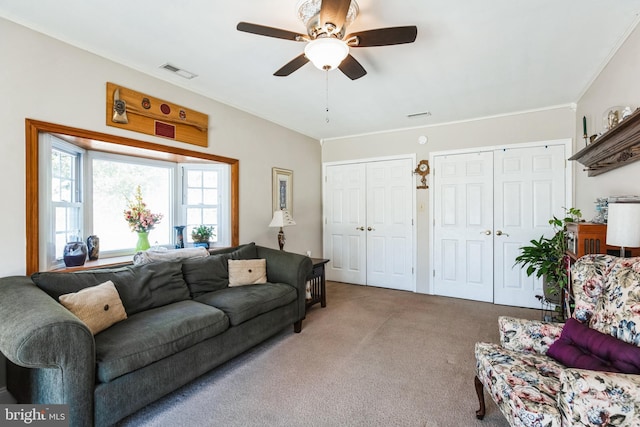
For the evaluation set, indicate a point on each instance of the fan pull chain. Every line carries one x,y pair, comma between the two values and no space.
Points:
327,95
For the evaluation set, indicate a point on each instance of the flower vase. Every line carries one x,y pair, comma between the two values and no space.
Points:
143,241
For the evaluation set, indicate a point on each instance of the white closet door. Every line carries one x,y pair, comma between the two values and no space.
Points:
368,232
463,226
390,224
345,235
529,188
486,207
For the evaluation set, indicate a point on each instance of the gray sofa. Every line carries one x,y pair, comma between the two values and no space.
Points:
183,320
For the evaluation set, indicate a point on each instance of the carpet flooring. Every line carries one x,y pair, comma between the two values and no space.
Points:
372,357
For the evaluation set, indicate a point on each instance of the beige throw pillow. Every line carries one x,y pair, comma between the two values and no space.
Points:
247,271
98,306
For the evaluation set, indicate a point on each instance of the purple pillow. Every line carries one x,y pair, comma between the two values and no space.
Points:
584,348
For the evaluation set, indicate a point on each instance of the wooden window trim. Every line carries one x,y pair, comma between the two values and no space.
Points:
98,141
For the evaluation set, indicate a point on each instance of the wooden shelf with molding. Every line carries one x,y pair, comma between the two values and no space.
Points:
617,147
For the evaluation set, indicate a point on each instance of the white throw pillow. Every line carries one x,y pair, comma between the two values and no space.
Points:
247,271
97,306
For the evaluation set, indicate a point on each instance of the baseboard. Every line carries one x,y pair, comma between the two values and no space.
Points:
5,396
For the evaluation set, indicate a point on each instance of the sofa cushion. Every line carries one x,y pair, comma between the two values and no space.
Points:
212,273
246,251
524,385
205,274
140,287
97,306
154,334
585,348
243,303
247,272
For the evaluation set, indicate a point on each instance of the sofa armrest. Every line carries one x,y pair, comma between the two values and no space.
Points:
290,268
38,332
588,398
531,336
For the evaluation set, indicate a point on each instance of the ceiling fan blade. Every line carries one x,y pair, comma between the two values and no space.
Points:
263,30
292,66
384,36
334,12
352,68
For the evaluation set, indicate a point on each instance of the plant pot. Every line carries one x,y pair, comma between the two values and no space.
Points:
552,294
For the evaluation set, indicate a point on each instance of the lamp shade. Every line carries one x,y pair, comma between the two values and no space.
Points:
326,53
623,225
282,218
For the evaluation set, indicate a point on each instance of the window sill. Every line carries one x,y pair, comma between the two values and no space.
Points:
99,263
110,262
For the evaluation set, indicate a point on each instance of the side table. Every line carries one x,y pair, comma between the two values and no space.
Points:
316,283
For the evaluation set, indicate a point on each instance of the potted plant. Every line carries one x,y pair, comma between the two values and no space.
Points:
201,235
545,257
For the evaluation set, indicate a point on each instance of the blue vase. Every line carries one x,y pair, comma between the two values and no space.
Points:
179,238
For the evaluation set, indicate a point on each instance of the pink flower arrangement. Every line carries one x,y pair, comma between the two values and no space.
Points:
140,219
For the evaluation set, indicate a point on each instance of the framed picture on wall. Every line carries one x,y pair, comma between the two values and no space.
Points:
282,189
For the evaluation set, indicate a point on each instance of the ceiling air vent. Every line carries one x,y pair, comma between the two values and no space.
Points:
179,71
423,113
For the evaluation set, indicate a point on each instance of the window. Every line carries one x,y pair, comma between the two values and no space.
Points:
65,195
203,187
82,191
112,182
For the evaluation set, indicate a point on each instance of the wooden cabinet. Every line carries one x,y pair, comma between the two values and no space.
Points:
585,238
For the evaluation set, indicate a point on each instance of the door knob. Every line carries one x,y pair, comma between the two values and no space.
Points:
360,228
500,233
487,232
371,229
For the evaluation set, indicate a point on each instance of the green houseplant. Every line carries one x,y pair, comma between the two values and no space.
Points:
202,234
545,256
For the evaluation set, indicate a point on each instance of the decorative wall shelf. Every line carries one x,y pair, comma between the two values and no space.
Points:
617,147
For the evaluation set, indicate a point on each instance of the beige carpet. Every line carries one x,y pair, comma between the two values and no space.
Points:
372,357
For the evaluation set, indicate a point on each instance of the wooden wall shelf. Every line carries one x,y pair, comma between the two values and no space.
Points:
617,147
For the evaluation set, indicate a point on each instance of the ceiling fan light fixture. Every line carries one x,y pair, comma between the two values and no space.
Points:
326,53
308,12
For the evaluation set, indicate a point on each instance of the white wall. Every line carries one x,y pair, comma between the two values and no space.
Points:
47,80
617,84
553,123
44,79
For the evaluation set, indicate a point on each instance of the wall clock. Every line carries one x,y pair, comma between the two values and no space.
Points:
423,170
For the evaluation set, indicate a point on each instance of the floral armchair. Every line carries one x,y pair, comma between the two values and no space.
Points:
532,388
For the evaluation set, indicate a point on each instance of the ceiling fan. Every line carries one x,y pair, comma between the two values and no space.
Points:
327,46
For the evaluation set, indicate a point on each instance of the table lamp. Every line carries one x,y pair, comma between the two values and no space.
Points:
281,218
623,225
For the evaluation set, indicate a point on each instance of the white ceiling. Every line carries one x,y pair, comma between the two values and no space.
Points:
471,58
